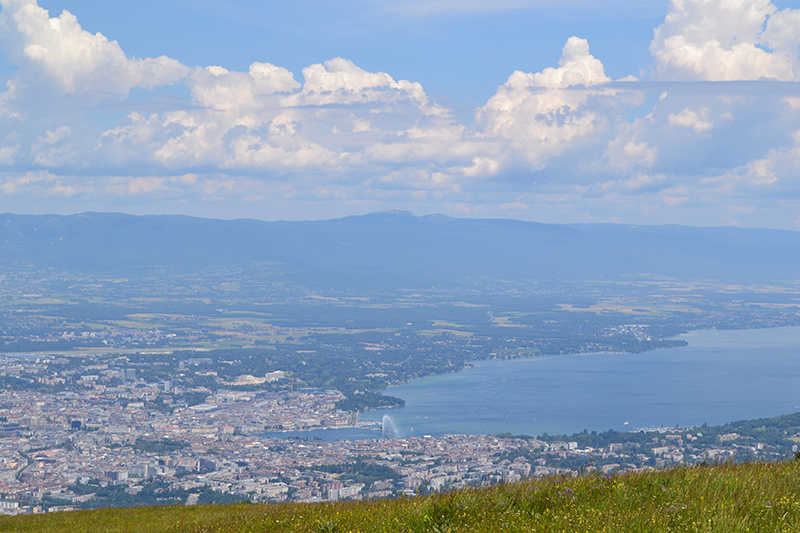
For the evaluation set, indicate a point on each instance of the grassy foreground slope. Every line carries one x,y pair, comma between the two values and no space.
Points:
726,498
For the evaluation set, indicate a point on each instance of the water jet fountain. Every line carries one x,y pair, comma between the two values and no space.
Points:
388,427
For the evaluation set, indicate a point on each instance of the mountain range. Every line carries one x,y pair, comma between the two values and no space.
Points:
399,243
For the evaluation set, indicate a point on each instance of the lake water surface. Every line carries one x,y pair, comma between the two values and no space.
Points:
722,376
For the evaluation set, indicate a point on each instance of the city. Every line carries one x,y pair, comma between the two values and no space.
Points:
77,448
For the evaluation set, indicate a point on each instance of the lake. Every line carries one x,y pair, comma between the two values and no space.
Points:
721,376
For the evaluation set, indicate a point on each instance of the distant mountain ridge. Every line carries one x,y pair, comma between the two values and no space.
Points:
399,243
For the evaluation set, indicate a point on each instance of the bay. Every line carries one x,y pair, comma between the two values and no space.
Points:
721,376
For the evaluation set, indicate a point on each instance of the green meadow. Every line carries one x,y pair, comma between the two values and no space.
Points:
722,498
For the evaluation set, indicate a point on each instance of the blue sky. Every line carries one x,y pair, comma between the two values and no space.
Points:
607,111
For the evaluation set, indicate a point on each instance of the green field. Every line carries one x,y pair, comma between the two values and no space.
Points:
725,498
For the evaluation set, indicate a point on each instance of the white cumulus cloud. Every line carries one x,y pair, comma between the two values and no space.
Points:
340,117
59,52
691,119
540,114
340,82
724,40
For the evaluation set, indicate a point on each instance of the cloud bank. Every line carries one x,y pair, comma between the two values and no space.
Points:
710,135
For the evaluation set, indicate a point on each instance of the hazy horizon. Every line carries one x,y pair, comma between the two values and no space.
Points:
390,211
